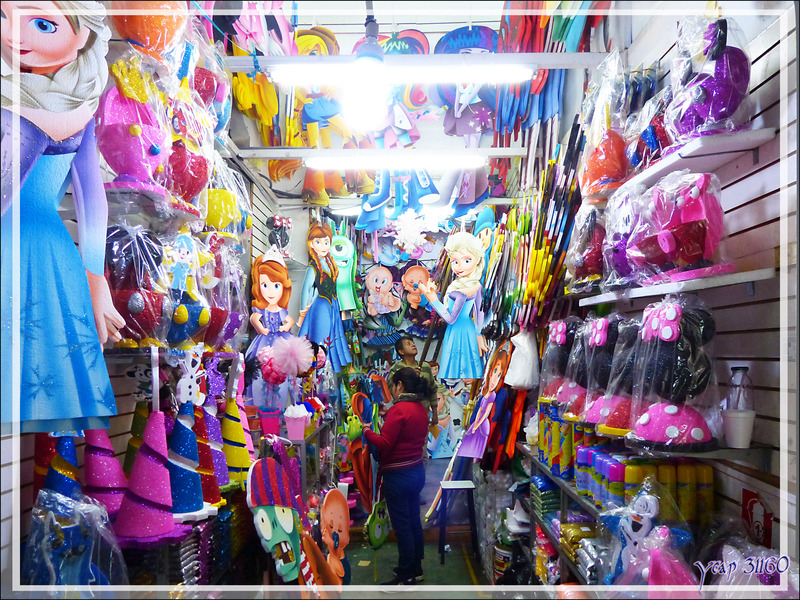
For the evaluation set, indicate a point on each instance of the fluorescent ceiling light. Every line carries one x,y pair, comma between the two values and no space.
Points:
347,211
387,75
402,160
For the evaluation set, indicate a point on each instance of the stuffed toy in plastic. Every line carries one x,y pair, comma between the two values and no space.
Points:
673,370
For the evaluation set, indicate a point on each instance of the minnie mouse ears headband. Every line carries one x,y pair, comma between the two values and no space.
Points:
274,255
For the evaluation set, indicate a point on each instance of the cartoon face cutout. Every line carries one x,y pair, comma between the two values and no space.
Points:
275,513
275,526
322,246
463,263
342,251
271,290
45,42
378,524
378,280
335,525
413,277
381,298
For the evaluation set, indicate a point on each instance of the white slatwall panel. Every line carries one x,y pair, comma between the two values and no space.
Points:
749,326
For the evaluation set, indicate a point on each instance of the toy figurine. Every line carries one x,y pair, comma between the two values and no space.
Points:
320,321
468,115
709,97
272,289
493,395
463,346
382,297
65,308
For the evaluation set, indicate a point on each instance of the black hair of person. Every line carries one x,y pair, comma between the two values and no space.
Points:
413,383
398,345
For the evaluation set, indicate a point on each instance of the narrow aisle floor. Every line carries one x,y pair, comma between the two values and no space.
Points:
460,568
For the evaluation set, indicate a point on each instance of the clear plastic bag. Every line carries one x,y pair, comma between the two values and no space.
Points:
646,136
133,134
584,259
138,281
605,166
185,259
615,413
556,356
228,310
710,78
622,217
645,548
523,368
571,396
71,543
675,404
602,341
679,234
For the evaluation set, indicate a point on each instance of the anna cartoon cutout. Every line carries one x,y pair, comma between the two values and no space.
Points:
321,321
491,403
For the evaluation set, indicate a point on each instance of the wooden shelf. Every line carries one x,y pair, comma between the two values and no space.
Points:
704,154
691,285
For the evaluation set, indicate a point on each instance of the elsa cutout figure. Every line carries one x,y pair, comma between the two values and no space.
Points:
463,346
321,320
66,311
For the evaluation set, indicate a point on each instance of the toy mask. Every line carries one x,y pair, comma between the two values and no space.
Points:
275,514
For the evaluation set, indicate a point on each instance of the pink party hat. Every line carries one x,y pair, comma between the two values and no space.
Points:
147,503
248,437
105,479
137,429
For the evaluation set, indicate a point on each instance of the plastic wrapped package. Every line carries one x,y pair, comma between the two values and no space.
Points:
192,146
571,396
225,200
605,166
622,218
614,415
556,355
646,135
584,259
211,81
70,543
649,541
710,78
185,259
133,134
675,407
601,343
759,568
679,234
138,280
228,304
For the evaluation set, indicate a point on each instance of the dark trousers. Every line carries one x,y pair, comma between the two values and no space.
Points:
401,489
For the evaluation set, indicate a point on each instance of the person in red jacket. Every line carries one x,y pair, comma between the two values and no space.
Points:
400,445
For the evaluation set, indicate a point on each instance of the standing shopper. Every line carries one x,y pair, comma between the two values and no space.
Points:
400,446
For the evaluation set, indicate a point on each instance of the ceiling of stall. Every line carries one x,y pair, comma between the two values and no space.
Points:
346,19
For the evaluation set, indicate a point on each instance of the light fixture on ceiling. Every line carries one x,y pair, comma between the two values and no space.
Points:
400,160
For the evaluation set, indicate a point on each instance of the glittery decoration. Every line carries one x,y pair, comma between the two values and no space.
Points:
215,442
44,450
187,490
105,479
234,443
146,507
205,467
215,379
62,476
140,415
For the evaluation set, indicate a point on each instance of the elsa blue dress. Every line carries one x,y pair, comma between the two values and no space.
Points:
64,380
323,321
460,357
